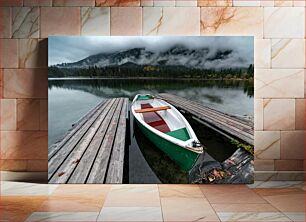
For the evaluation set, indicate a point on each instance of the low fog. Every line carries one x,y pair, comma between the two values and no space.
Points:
68,49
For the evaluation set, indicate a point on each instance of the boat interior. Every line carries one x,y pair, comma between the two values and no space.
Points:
165,120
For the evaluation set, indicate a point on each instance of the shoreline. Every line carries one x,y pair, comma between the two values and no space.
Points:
145,78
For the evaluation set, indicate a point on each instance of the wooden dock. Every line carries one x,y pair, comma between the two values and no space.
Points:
232,126
93,149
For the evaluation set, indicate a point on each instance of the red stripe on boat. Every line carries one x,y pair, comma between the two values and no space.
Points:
154,119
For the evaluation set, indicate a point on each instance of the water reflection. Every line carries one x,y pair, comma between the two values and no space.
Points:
71,99
229,96
167,171
164,168
150,84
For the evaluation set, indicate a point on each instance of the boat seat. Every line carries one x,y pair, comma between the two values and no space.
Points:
146,106
154,119
181,134
157,123
144,97
153,109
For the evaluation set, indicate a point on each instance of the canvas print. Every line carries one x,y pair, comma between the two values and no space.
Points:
151,109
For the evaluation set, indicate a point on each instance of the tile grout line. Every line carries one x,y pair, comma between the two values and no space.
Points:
109,190
103,203
267,202
278,210
216,213
209,203
160,203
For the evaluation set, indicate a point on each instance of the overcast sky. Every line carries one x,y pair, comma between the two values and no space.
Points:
66,49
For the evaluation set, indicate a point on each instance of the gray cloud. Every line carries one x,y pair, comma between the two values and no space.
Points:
66,49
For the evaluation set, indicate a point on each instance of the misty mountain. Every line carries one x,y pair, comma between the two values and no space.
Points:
178,55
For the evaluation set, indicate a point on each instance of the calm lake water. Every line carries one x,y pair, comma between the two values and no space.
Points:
70,99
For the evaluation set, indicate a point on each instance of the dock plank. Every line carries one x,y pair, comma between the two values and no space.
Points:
220,122
236,127
58,145
83,168
224,117
231,120
74,157
56,160
84,153
99,168
115,171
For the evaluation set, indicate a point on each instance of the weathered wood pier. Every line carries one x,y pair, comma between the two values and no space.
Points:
93,149
232,126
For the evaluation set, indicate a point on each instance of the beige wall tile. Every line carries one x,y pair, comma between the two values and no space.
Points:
267,144
146,2
194,208
13,165
25,22
262,53
97,191
232,21
284,50
37,2
279,83
1,83
28,114
159,21
153,20
4,3
220,3
299,3
227,193
37,165
300,114
51,17
126,20
279,176
285,199
292,144
5,22
179,191
258,114
237,3
24,144
263,165
124,196
8,53
73,204
305,83
278,22
8,114
186,3
118,3
279,114
73,2
238,208
284,3
289,165
25,83
266,3
33,53
95,21
43,123
162,3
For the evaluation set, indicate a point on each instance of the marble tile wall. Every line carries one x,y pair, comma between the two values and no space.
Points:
277,25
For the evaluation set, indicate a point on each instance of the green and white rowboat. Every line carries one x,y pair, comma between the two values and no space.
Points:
168,129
